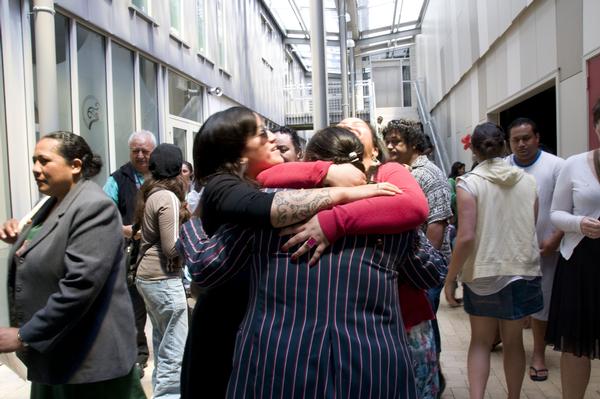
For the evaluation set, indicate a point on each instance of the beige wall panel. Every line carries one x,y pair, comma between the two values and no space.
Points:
463,38
483,26
569,38
591,27
528,42
572,116
516,6
513,59
482,89
458,50
545,24
504,16
492,66
501,71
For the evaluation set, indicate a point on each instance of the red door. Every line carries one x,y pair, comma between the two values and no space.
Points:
593,68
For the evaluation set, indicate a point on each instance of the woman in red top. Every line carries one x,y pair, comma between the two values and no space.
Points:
378,215
351,280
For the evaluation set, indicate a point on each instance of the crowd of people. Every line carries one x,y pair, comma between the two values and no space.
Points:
316,268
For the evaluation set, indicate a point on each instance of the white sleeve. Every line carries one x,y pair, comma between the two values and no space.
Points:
464,184
562,202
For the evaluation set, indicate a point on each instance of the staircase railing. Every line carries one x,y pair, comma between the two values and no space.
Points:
441,152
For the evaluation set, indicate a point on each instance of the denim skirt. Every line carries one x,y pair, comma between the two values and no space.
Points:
518,299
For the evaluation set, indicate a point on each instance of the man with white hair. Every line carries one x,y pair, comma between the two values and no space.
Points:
122,186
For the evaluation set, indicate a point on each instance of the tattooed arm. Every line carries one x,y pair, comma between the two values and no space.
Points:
289,207
229,199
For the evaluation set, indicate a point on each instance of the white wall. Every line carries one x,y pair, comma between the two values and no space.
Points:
478,57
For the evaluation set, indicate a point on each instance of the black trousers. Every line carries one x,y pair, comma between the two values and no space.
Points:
139,311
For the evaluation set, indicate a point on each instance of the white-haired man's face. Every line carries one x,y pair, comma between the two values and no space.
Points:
140,149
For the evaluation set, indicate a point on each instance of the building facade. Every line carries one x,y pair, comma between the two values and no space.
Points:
126,65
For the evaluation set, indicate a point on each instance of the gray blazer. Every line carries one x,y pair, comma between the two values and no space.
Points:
68,294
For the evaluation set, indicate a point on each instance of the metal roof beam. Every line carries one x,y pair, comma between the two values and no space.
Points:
403,35
299,40
298,14
383,48
387,28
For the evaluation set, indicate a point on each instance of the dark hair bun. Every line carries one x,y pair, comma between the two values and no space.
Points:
92,164
488,140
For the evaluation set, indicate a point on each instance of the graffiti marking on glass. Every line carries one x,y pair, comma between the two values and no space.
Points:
90,110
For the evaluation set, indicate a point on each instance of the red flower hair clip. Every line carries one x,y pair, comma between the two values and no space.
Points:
466,141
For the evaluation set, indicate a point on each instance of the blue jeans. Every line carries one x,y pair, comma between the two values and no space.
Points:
167,307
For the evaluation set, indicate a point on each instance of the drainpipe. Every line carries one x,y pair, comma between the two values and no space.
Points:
319,67
352,80
45,60
343,56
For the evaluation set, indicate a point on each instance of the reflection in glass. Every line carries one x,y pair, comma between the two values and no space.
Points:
221,34
179,140
5,212
92,94
142,5
175,14
149,95
185,98
63,71
123,102
406,94
201,25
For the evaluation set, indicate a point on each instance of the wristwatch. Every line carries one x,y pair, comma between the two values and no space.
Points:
25,344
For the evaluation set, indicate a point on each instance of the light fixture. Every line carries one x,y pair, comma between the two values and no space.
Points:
215,91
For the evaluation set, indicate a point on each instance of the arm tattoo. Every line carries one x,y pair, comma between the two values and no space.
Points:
290,207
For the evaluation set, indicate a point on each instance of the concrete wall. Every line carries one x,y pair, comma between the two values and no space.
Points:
480,57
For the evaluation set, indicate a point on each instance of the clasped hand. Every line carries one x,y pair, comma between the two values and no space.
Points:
590,227
310,235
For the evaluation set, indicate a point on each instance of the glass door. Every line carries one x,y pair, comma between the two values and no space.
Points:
181,133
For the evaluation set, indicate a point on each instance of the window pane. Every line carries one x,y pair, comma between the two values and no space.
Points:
92,94
63,71
221,34
201,25
142,5
175,13
124,111
406,92
149,95
185,98
405,72
180,141
407,101
5,212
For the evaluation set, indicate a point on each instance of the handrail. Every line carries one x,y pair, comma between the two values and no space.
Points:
441,153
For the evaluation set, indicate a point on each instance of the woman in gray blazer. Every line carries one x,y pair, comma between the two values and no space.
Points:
71,317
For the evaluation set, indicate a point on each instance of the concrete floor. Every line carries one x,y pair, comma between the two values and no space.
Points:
454,325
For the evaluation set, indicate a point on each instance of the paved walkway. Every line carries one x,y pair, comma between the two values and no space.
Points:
454,325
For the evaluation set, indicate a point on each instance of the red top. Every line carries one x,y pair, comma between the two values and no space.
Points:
377,215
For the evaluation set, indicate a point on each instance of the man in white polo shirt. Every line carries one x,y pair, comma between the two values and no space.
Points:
524,140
